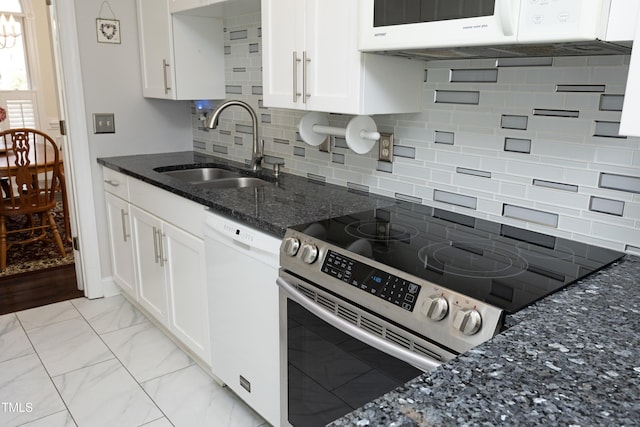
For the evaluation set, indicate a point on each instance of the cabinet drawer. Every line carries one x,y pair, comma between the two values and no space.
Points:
174,209
115,183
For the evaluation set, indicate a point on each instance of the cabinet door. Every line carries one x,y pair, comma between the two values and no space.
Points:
119,229
282,38
155,34
334,66
187,288
149,259
629,123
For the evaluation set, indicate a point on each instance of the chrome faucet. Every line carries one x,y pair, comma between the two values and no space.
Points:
258,148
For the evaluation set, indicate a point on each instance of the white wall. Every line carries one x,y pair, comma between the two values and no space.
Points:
477,170
112,84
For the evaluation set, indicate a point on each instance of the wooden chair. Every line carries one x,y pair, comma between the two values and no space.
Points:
30,174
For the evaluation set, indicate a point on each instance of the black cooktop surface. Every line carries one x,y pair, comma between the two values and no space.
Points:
502,265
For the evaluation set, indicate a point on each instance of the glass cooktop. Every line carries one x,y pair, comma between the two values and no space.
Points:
505,266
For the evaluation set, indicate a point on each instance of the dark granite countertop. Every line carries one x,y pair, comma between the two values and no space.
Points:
571,359
292,200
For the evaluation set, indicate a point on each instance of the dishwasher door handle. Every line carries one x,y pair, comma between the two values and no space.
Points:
422,362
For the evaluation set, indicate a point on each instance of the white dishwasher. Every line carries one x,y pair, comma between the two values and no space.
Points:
242,268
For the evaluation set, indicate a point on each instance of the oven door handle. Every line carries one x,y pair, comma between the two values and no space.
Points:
421,362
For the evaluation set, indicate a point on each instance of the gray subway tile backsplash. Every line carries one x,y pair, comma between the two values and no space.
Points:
607,129
474,172
238,35
488,75
357,187
611,102
620,182
442,137
517,145
607,206
580,88
556,113
337,158
470,97
402,151
233,89
407,198
524,62
455,199
454,150
555,185
549,219
514,122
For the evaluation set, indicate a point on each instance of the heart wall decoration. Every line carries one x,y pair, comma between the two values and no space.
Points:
108,30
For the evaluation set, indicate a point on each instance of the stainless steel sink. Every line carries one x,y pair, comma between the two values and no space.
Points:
201,175
237,182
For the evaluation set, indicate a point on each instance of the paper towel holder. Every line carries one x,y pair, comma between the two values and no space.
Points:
360,134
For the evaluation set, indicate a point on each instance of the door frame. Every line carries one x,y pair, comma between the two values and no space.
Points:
77,157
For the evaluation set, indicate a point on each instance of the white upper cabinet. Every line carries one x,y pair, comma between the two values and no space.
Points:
629,123
217,8
311,62
182,55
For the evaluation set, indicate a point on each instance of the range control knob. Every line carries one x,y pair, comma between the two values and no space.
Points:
468,321
309,253
290,246
435,307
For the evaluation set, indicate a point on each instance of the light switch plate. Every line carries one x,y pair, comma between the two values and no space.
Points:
103,123
386,147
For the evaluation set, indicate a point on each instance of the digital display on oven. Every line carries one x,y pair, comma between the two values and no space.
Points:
388,287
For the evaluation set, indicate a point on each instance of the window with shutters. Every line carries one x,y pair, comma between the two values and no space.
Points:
16,94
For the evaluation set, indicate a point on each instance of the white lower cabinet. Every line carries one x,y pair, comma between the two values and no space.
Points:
158,257
121,244
185,273
147,241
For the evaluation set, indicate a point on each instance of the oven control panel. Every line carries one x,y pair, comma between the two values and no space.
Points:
388,287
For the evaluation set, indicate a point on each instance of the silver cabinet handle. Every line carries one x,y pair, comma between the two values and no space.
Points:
161,248
305,62
111,182
123,214
156,254
165,66
296,60
421,362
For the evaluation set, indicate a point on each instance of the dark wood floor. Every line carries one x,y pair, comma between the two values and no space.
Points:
37,288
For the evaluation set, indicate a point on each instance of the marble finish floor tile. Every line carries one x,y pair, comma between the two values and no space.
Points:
145,351
57,371
47,315
109,314
26,391
68,345
189,397
59,419
105,394
13,340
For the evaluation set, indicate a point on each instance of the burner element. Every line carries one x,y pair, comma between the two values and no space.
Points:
381,231
471,259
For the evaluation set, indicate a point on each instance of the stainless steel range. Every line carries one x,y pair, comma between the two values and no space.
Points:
368,298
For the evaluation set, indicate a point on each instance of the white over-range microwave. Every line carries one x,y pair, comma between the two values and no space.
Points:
434,27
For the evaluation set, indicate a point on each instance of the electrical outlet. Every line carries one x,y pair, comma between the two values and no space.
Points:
386,147
103,123
326,145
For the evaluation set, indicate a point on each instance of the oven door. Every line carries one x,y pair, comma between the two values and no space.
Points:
335,357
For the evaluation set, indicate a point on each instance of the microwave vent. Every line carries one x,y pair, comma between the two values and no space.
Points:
596,47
